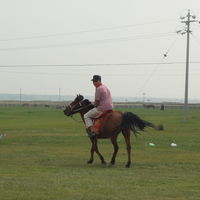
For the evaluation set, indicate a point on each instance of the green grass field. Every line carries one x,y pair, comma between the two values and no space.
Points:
44,157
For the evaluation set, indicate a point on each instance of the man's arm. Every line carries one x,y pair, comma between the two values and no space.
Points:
96,103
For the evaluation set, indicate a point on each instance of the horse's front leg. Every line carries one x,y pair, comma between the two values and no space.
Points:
95,146
91,153
115,145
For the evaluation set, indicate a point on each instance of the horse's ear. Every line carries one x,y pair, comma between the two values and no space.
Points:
81,97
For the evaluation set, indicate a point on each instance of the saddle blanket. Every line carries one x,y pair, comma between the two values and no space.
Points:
98,121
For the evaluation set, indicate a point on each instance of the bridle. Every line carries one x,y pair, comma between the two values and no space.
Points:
82,107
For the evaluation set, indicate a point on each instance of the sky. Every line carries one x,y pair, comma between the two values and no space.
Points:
47,46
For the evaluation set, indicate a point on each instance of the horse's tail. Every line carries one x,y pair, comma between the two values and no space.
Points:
133,122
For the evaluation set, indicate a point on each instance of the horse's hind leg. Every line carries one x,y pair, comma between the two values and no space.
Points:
126,134
95,148
115,145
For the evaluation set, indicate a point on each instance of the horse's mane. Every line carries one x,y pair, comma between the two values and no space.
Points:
80,98
86,102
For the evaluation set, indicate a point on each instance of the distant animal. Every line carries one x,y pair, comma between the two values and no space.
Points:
148,106
46,105
114,123
25,104
162,107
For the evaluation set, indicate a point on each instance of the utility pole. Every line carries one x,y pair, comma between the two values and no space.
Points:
187,20
59,94
143,96
20,96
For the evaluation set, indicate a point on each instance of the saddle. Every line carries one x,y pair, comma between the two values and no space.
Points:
98,121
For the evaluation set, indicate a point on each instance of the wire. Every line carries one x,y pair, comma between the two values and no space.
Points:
85,31
150,76
95,65
172,45
197,39
86,73
156,66
122,39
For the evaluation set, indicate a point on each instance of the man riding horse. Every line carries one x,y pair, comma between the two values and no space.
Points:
109,126
103,103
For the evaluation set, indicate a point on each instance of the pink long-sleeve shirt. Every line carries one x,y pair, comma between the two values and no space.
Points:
103,95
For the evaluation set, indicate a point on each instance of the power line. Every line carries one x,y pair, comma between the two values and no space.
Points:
85,31
86,74
156,67
150,76
198,41
122,39
169,49
95,64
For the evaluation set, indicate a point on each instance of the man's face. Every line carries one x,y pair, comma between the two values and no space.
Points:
96,83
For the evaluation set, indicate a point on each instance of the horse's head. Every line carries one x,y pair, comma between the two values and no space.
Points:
78,105
74,105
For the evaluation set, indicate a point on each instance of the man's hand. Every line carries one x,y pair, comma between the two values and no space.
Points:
96,103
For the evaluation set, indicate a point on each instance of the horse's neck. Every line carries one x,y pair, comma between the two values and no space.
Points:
83,113
82,117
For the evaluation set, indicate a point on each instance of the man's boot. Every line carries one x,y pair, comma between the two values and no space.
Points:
90,132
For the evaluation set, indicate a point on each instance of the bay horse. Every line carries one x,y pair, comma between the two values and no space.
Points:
114,123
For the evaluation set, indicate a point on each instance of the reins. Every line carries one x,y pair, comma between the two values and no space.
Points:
79,121
78,110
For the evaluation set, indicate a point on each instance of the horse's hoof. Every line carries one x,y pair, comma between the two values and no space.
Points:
90,161
112,163
103,163
128,165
